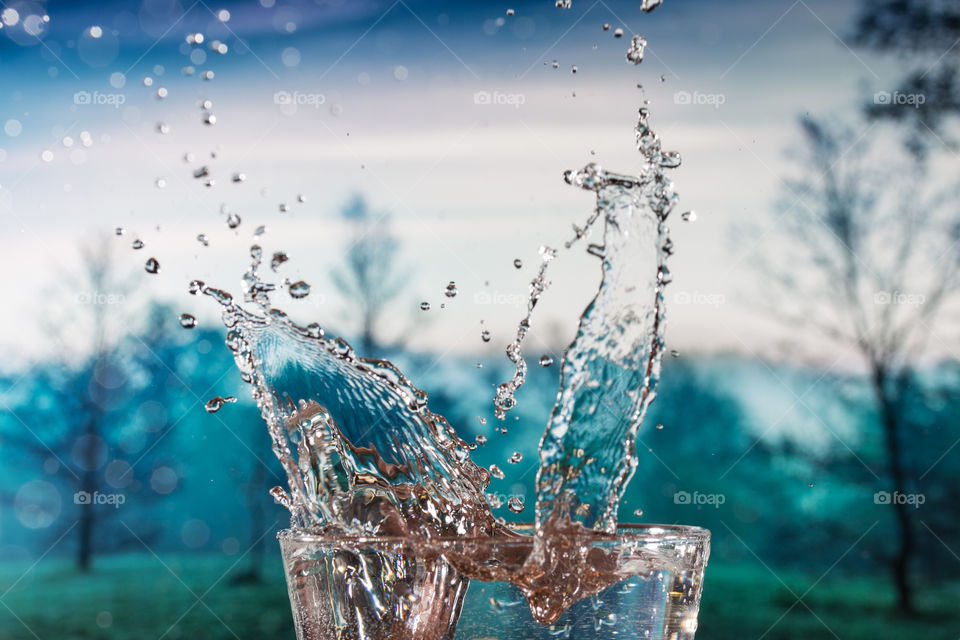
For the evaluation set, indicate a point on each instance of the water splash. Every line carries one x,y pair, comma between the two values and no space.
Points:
504,400
362,451
610,371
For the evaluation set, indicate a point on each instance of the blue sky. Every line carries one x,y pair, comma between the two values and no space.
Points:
388,108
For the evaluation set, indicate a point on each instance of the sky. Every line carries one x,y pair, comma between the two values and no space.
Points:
390,100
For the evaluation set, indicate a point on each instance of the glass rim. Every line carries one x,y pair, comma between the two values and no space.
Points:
626,532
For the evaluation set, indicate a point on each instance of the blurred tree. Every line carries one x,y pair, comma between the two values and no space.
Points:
925,34
91,415
256,499
869,264
370,276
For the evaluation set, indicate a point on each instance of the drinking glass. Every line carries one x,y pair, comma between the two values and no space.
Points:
373,588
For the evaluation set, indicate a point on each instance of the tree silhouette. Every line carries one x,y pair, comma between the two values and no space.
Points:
370,276
869,263
924,33
92,415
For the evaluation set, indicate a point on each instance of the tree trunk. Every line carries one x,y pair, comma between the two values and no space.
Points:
367,339
85,547
891,427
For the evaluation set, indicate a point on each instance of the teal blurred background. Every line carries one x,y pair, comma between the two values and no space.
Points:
807,412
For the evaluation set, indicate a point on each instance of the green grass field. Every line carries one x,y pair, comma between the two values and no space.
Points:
193,596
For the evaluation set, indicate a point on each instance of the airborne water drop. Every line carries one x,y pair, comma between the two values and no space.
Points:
299,290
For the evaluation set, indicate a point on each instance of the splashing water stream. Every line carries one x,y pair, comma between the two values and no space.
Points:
364,454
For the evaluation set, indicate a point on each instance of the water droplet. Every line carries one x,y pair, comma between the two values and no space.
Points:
515,504
670,159
518,263
278,259
485,335
510,12
162,93
481,439
207,75
495,503
284,208
555,64
482,419
163,128
202,172
496,472
811,485
451,291
196,286
650,5
282,497
675,353
187,321
209,118
119,231
618,33
239,177
573,68
233,221
638,513
637,46
606,26
660,427
515,458
301,198
148,81
546,361
663,77
564,4
299,289
215,404
688,216
202,239
152,266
